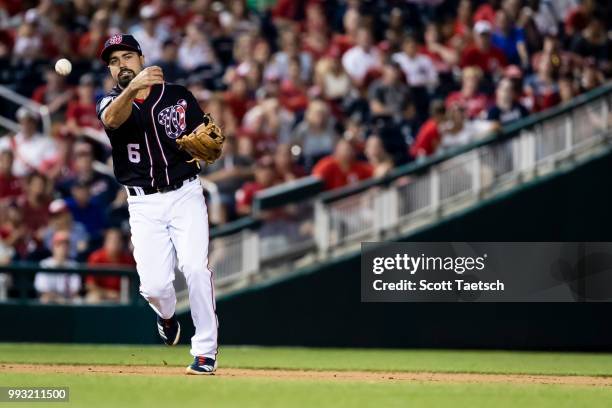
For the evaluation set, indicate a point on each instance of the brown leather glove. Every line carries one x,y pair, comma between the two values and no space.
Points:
205,142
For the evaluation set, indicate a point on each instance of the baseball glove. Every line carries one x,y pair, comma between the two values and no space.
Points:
205,142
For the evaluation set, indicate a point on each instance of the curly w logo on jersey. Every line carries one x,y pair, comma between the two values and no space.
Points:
173,119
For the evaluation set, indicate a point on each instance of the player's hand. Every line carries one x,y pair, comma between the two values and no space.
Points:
147,77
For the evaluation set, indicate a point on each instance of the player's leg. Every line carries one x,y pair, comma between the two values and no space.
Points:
154,253
189,232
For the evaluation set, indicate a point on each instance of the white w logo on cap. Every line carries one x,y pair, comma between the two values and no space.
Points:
115,39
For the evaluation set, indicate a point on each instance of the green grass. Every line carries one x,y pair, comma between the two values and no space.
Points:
148,392
321,359
167,391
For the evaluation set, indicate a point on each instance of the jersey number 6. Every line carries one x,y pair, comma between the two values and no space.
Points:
133,152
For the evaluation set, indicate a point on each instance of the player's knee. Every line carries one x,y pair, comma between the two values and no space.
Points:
191,270
155,290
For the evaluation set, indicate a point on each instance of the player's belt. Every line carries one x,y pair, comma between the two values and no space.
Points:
136,191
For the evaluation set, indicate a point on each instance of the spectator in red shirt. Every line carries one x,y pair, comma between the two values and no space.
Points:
486,11
428,138
456,32
107,288
223,114
315,17
55,94
6,43
92,42
316,36
463,22
578,18
350,22
10,186
237,97
58,41
443,57
543,85
342,168
14,232
81,116
264,178
34,203
482,53
285,165
285,11
316,44
292,89
265,124
469,97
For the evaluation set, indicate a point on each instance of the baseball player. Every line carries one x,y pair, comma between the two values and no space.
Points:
158,133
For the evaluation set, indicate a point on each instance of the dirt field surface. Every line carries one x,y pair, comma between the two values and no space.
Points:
353,376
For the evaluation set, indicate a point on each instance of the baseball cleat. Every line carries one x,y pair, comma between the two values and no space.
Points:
169,330
202,366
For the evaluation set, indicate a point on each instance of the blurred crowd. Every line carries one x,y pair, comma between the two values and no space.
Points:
344,90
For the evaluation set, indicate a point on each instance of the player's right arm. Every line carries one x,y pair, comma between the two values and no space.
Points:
119,110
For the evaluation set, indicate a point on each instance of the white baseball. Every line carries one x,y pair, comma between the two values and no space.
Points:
63,66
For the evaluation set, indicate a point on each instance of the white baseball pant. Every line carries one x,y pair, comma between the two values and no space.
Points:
168,230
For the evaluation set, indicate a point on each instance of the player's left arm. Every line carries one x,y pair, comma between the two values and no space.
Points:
195,114
203,138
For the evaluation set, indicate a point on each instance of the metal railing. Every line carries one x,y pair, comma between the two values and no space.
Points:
19,277
42,111
452,183
31,105
232,254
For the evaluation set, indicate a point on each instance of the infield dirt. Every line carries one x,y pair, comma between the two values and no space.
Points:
353,376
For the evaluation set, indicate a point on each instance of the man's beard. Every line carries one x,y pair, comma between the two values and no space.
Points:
125,77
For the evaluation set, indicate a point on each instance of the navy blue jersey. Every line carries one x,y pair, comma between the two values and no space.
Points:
145,152
517,112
